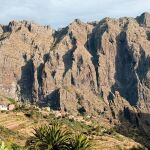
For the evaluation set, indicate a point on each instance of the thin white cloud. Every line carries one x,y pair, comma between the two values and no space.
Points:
58,13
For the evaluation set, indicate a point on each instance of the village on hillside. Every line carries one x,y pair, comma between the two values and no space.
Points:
5,104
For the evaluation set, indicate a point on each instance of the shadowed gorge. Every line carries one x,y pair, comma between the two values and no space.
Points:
26,83
127,82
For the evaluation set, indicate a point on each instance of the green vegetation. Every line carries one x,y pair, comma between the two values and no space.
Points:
80,142
3,146
12,101
14,146
9,146
16,128
54,137
8,99
6,133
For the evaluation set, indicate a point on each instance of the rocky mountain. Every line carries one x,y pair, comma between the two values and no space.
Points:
99,68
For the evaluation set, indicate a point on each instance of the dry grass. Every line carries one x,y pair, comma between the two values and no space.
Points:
22,126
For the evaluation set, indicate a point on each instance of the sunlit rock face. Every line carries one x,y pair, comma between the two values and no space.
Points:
79,68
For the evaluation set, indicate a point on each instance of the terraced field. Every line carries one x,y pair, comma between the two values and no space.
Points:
16,127
118,142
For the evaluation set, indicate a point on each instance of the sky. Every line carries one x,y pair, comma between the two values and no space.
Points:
59,13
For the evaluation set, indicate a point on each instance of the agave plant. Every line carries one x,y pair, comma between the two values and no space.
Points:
80,142
49,138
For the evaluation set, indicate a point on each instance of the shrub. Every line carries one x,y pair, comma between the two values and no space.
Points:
49,137
3,146
14,146
53,137
80,142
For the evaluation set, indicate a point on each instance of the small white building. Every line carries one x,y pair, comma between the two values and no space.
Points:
3,107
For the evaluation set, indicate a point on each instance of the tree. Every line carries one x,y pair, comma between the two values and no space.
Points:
55,138
49,138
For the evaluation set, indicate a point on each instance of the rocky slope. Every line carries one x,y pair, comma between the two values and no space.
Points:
100,68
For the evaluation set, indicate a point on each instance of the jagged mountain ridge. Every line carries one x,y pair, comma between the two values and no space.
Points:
97,68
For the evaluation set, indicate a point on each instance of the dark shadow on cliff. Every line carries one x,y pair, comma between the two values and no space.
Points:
93,45
68,57
26,82
135,126
41,75
130,71
52,100
68,60
125,76
143,67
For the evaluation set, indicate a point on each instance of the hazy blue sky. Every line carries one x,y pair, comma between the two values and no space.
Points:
59,13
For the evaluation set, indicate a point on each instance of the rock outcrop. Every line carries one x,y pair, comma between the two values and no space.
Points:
82,68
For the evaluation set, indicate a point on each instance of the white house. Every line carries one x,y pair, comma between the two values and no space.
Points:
3,107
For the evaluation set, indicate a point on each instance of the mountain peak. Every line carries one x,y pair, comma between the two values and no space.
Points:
83,68
144,19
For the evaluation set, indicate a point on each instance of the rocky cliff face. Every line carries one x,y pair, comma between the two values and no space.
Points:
99,67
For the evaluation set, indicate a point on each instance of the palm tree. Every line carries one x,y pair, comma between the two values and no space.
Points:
49,138
80,142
